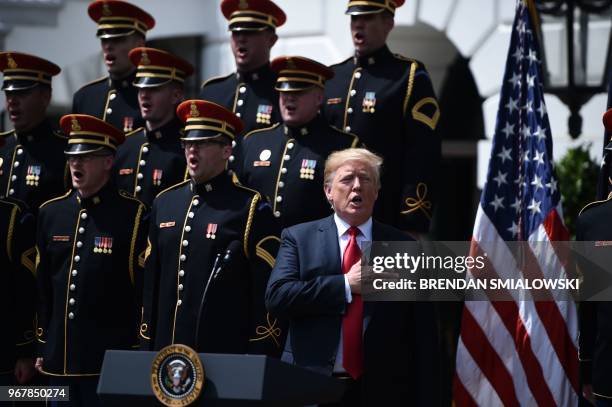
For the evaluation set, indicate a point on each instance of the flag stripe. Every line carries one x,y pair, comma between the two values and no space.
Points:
487,359
508,313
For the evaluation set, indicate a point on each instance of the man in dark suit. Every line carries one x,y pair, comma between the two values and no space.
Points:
386,352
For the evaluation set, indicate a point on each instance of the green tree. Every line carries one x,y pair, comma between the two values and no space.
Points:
577,175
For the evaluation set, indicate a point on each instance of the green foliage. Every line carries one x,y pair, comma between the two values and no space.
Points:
577,175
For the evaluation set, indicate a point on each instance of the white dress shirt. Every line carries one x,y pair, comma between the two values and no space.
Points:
343,240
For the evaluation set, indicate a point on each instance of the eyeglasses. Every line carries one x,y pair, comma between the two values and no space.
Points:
200,144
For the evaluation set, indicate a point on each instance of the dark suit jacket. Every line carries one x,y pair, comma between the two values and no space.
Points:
400,339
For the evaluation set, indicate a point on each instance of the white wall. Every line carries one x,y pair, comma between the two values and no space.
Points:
430,30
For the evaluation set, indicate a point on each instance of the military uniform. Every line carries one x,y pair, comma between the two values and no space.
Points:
389,102
595,339
32,163
114,100
286,163
33,167
89,265
250,95
604,182
17,284
190,225
150,161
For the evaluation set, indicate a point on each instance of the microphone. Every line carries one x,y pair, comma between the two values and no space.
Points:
233,248
219,264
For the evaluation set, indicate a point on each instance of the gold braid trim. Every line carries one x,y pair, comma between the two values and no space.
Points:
247,229
27,262
133,243
413,68
271,330
263,253
419,203
9,235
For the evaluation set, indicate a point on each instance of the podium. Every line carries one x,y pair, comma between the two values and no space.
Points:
231,380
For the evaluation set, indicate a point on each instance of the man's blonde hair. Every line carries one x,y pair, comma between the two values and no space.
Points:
339,158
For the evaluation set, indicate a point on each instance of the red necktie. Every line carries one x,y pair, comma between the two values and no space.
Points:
352,323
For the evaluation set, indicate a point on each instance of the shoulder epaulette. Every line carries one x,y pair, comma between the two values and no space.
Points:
341,62
126,195
101,79
239,185
215,79
260,130
354,137
411,60
6,134
175,186
131,133
594,204
58,198
59,134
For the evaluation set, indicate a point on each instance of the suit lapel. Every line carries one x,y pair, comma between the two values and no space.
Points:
331,247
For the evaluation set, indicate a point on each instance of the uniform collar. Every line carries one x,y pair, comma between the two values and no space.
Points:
255,75
378,57
170,130
43,129
210,185
311,127
102,195
122,83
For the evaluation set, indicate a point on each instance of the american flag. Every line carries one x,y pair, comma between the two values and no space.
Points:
519,352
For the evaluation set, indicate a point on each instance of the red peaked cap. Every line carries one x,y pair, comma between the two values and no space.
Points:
607,120
252,14
205,120
118,18
88,134
157,67
24,71
297,73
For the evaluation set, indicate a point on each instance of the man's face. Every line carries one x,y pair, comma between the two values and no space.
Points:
115,52
206,159
298,108
89,172
251,49
27,108
370,32
353,192
157,104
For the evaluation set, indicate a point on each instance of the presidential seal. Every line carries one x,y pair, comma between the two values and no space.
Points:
177,375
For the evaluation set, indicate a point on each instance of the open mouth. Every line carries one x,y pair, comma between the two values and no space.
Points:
356,200
243,52
193,162
77,175
358,38
145,106
291,108
109,59
14,114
